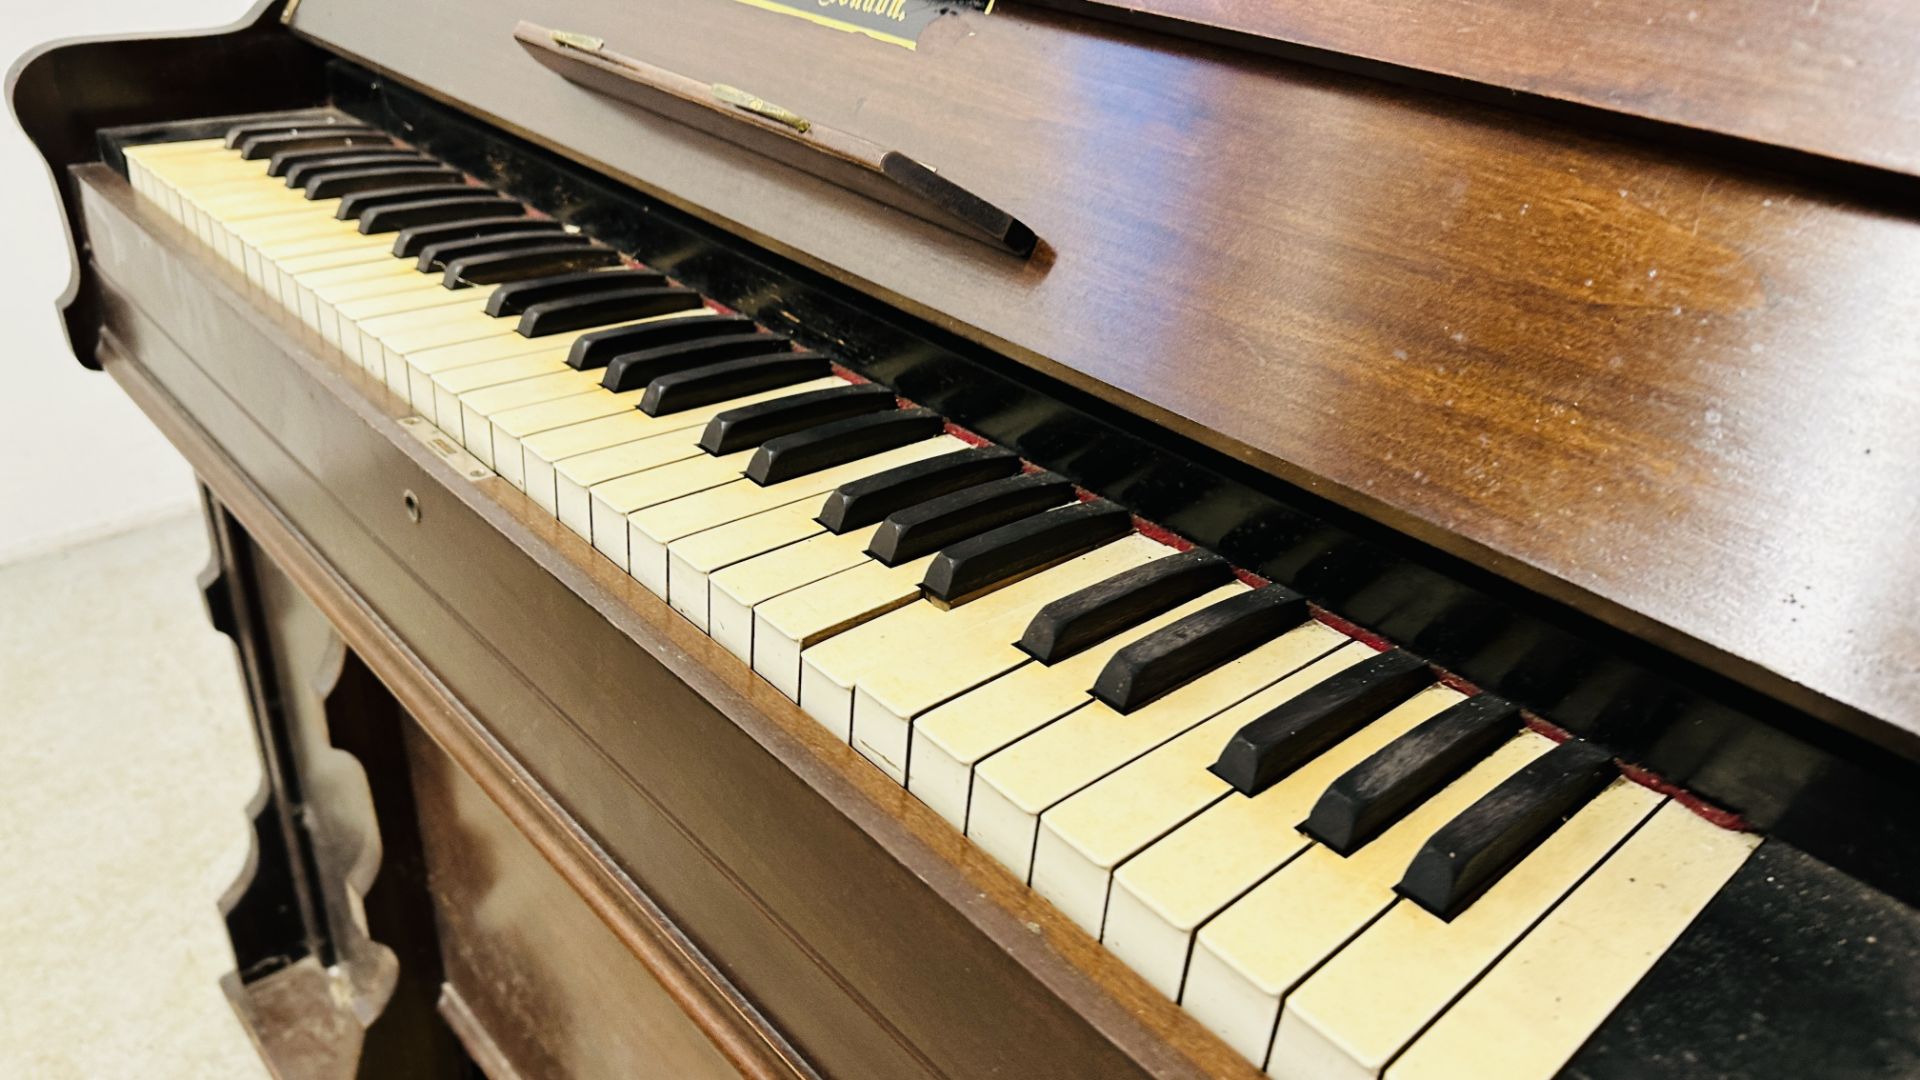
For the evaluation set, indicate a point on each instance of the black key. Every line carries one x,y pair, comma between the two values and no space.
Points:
1175,655
256,147
840,442
1470,853
1272,745
240,133
750,425
333,183
599,309
870,499
1368,798
1009,552
943,520
679,391
461,208
287,162
555,257
361,203
1083,619
417,238
360,158
525,234
518,296
597,348
633,370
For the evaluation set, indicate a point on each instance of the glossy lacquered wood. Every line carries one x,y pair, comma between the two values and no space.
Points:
1670,392
1836,80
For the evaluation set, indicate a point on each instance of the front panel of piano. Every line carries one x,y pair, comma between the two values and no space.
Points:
776,691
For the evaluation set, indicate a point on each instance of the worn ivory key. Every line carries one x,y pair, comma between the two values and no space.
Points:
1014,787
1161,896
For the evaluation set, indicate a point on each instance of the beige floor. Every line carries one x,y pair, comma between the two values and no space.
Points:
125,766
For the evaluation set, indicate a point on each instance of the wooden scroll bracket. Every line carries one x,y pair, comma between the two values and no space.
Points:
847,160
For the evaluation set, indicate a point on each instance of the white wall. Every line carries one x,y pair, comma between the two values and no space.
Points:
77,459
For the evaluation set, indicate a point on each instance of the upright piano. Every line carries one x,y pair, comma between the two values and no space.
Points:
931,538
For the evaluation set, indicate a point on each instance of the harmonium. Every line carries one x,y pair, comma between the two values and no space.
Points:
937,539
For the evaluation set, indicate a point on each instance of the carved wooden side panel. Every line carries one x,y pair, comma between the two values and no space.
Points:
338,962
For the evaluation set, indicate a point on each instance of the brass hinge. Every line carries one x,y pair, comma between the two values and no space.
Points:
740,99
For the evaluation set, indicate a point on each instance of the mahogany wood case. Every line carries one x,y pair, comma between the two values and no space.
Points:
1667,390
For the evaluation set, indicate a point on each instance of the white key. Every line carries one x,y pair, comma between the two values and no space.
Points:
614,500
950,740
1014,787
831,670
1355,1014
1571,971
889,701
1086,835
1161,897
798,619
1255,952
579,442
451,386
734,591
693,560
651,529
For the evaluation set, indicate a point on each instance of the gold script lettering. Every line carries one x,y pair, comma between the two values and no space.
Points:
887,9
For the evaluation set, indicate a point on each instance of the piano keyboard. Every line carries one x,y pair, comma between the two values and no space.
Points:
1339,863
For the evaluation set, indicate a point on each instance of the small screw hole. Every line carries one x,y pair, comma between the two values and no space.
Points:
412,502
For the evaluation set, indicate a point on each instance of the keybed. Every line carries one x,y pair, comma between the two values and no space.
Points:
1339,865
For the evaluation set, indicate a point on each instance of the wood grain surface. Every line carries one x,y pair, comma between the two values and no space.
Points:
877,939
1835,78
1677,396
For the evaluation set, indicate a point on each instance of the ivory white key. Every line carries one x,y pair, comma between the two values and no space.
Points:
1014,787
623,471
1255,952
194,190
263,244
1089,833
423,294
949,740
410,332
415,373
277,271
1355,1014
614,500
504,416
831,670
568,446
774,551
651,529
411,375
734,591
797,619
450,385
317,292
1160,897
349,314
210,212
228,208
692,561
888,701
215,212
1573,968
289,271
